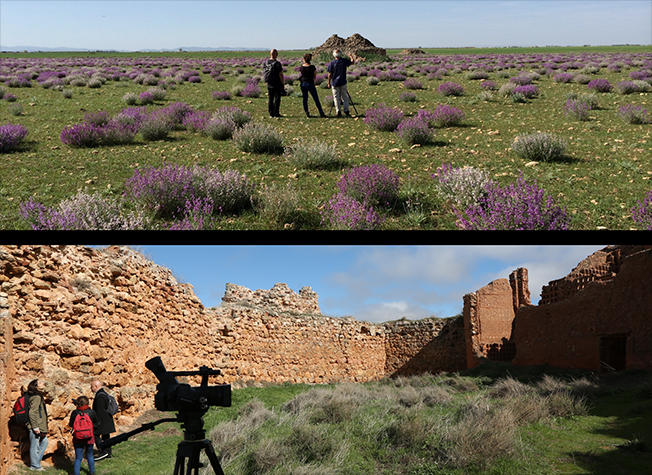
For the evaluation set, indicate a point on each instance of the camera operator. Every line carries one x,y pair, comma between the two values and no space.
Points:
273,75
337,80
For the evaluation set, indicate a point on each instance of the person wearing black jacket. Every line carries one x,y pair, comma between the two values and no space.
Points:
275,84
83,445
105,420
308,75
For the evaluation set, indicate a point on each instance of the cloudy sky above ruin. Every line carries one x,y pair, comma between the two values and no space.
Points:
374,283
138,25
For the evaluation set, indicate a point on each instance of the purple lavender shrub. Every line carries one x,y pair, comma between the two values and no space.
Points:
642,212
221,95
529,91
98,118
450,89
220,128
346,213
10,137
196,121
563,77
489,85
82,135
412,83
383,118
407,97
235,114
146,97
414,130
443,116
633,114
578,109
600,85
197,214
251,89
518,206
373,185
82,212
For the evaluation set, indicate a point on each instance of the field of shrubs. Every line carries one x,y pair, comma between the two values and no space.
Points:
536,421
534,140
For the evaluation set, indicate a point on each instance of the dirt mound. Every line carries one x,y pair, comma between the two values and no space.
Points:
411,51
355,44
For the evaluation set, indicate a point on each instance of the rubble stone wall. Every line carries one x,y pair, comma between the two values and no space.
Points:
428,345
80,314
308,348
6,376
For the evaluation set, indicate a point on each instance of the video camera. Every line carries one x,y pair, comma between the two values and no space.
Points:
174,396
190,404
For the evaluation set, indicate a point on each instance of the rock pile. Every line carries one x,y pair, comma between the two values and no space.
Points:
355,44
413,51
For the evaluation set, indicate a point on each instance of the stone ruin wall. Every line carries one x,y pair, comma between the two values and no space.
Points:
80,314
6,376
489,314
428,345
616,300
76,314
601,266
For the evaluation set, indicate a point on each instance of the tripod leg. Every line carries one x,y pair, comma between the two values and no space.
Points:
178,465
215,463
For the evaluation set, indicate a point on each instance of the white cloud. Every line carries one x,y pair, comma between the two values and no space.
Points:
385,311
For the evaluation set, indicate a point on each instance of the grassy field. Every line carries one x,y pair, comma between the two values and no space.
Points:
607,167
485,421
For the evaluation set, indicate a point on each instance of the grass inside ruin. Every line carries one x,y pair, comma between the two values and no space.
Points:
529,422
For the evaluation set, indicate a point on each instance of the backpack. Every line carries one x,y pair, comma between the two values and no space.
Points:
112,406
82,427
267,70
21,410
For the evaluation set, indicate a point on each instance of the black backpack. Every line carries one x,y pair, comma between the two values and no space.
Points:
112,407
267,70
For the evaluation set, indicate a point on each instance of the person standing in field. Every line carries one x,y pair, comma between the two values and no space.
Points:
273,75
308,75
83,422
37,425
105,425
337,81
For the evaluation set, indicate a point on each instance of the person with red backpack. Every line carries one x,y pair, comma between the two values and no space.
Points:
83,422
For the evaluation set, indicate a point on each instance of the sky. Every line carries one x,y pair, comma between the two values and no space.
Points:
139,25
372,283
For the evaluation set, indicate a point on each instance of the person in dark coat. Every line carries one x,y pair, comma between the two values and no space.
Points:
105,420
83,445
275,84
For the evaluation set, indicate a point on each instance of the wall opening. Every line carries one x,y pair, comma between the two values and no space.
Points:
612,352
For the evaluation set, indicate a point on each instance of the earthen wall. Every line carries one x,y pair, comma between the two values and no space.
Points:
6,376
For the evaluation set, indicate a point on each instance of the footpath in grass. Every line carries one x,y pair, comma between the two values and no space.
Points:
492,420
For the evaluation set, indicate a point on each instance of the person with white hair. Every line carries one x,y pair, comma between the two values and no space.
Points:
337,82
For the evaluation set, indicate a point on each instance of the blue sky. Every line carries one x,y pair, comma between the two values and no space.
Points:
374,283
137,25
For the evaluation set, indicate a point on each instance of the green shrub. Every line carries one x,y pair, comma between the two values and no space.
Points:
258,138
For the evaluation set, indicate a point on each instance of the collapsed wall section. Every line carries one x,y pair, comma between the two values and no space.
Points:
428,345
79,314
605,324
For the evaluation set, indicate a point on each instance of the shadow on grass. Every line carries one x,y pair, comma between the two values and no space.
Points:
622,402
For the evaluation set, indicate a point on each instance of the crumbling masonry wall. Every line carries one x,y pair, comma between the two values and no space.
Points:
79,314
607,294
427,345
488,316
76,314
6,376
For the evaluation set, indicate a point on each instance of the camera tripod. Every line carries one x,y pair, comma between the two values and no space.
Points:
191,450
350,102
